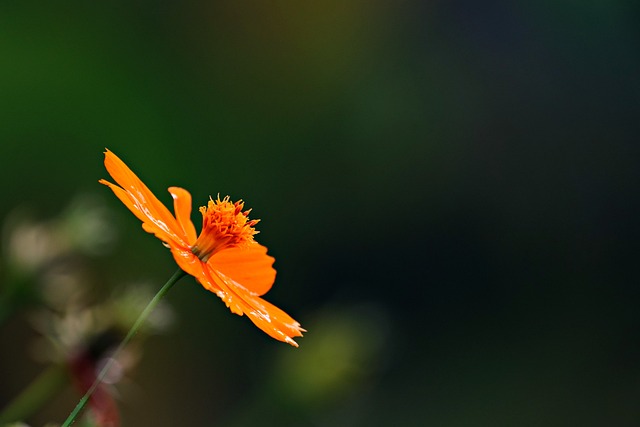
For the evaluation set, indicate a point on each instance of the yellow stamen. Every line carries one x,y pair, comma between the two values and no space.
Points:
224,225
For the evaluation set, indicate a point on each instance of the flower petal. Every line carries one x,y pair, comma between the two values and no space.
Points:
182,208
250,267
275,322
142,202
130,203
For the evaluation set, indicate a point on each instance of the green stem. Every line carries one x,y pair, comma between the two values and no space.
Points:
45,386
134,329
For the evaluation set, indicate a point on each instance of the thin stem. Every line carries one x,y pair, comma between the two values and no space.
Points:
134,329
45,386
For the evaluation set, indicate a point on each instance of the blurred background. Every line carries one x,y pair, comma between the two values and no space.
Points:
449,189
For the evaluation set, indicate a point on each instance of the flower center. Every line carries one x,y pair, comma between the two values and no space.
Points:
224,226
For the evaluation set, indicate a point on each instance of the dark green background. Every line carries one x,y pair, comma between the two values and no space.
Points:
449,188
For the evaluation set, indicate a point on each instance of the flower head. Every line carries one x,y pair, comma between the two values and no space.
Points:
224,226
224,258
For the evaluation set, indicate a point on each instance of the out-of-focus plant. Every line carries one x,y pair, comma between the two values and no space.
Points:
43,261
45,271
333,371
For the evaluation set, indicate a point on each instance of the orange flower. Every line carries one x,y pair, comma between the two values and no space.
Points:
224,258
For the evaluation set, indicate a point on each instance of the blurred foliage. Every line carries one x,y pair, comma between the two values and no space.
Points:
46,272
467,168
